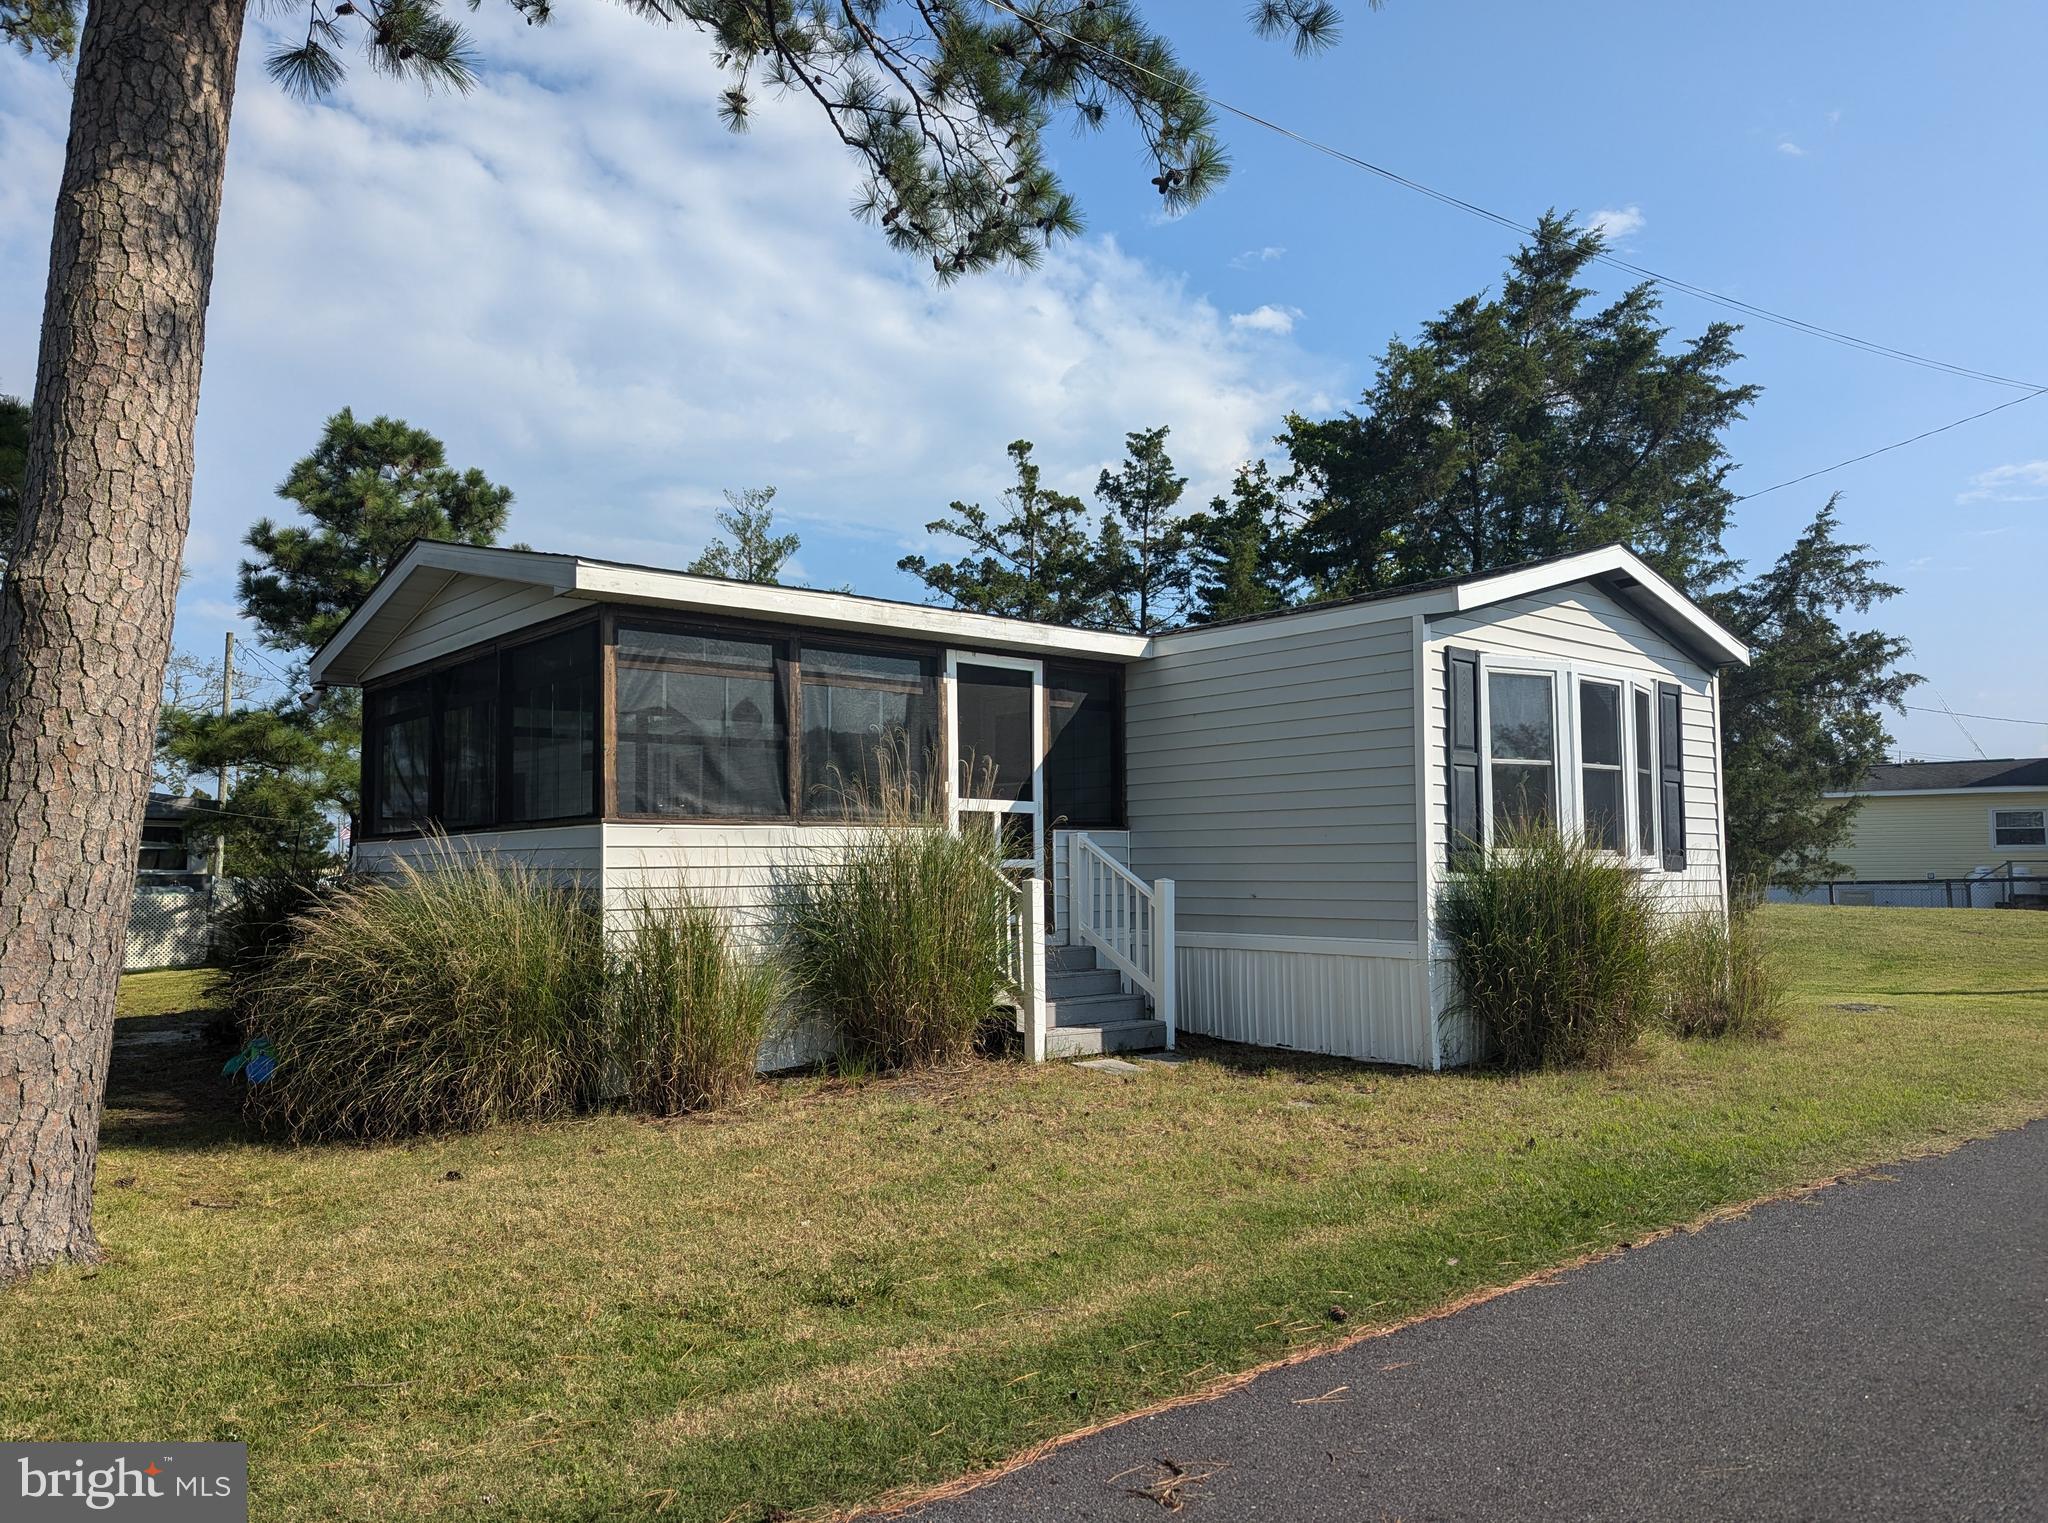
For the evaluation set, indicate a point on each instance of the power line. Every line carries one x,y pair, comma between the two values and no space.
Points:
1922,708
1501,219
1885,449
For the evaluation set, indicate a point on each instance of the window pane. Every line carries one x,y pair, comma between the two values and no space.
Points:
551,709
1520,718
1600,724
1646,777
995,731
2021,827
1522,795
701,727
1606,825
467,697
1081,782
871,723
398,720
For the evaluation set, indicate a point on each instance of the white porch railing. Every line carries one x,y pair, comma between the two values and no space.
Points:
1128,921
1027,960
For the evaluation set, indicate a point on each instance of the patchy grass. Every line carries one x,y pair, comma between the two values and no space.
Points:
838,1289
171,993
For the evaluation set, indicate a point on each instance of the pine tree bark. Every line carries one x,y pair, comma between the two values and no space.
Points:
85,611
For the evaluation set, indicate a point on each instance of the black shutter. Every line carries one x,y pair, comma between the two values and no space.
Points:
1465,779
1671,775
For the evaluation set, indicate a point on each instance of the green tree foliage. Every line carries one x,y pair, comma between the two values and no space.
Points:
370,490
1146,555
49,27
753,552
1241,549
1806,717
1524,425
14,415
1037,562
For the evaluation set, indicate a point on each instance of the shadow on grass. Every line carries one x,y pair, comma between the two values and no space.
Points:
1246,1061
164,1084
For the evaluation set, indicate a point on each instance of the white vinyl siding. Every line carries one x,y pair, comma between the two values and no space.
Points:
469,610
1273,779
574,852
1581,628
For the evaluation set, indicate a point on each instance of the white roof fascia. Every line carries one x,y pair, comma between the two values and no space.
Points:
601,581
1925,793
1678,610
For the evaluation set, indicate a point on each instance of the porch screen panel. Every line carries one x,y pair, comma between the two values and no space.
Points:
1084,745
701,726
1600,753
466,701
1521,723
870,722
398,724
995,731
550,706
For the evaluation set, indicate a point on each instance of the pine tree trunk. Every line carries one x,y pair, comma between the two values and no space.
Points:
85,613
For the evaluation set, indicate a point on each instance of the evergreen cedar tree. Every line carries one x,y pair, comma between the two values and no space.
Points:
753,551
944,104
1513,427
366,491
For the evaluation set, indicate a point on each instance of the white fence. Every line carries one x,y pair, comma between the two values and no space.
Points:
170,925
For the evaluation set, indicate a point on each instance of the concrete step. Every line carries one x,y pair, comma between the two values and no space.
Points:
1095,1010
1060,986
1118,1036
1076,959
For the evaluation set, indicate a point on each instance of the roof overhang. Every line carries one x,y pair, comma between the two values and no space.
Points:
426,570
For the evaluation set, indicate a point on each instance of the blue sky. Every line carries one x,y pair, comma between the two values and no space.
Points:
592,292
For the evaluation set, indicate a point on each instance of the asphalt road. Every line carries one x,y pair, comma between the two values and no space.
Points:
1877,1350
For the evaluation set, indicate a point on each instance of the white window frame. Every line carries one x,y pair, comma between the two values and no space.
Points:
1565,677
1998,809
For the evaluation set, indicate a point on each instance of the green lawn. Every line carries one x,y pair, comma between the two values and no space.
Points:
838,1290
166,993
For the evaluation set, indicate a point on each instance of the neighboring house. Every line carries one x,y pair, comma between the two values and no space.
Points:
1947,821
168,849
1295,778
170,920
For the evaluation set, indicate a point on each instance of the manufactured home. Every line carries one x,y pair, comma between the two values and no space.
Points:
1236,829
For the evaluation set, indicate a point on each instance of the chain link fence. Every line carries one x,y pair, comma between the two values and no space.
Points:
170,924
1987,893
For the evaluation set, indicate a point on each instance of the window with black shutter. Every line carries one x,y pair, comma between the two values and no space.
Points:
1465,776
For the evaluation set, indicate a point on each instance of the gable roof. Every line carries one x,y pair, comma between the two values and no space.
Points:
1955,776
429,566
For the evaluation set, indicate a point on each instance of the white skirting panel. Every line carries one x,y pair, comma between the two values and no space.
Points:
1342,1003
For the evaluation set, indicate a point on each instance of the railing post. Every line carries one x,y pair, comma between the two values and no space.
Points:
1164,974
1077,887
1031,969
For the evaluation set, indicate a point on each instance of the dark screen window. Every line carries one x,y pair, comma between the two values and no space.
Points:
995,731
1082,745
550,707
466,700
400,726
701,727
870,723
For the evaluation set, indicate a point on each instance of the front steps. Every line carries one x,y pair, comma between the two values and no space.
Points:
1086,1011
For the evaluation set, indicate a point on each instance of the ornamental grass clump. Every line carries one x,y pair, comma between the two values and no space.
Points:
450,995
1556,949
1719,977
690,1007
899,935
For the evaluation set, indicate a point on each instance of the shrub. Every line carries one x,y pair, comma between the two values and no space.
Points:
256,924
1555,949
690,1008
900,935
446,997
1719,977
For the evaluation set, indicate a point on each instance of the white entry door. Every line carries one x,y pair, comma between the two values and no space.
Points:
995,752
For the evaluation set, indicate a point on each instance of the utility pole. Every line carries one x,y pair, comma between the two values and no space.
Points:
227,694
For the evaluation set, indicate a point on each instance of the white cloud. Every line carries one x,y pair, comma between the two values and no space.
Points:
1278,321
1791,149
2024,482
1617,224
586,287
1251,257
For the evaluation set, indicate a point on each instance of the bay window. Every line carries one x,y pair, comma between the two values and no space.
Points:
1646,774
1522,748
1601,813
